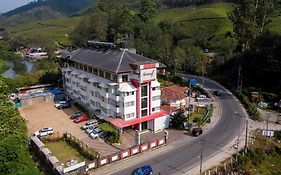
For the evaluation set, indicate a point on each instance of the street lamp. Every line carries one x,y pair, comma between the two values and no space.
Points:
201,154
191,82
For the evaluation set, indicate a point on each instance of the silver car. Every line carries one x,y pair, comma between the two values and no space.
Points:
90,124
96,133
90,129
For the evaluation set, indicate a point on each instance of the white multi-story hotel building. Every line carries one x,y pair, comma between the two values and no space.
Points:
118,86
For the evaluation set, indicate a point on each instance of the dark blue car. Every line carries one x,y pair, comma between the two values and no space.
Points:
144,170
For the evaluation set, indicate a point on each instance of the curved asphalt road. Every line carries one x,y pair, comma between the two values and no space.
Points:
184,157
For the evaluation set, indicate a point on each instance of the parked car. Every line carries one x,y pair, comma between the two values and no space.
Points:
196,131
89,123
103,135
81,118
44,132
144,170
75,115
96,133
90,129
217,93
63,104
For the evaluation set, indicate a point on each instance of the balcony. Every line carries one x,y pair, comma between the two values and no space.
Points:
156,93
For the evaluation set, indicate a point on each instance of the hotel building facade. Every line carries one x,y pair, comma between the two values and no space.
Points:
116,85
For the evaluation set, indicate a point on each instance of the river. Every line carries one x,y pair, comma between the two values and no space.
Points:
10,73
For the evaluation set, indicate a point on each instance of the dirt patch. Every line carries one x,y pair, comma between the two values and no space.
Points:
43,115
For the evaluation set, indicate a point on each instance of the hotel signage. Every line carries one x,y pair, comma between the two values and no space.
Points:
147,75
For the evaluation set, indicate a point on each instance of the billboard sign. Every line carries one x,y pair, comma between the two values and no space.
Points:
147,75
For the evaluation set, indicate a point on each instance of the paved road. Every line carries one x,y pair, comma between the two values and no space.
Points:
181,158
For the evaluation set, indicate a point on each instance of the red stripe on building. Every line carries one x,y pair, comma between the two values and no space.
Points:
148,66
120,123
149,98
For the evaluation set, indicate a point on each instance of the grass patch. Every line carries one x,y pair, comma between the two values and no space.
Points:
198,115
113,135
193,12
55,30
271,165
3,66
63,151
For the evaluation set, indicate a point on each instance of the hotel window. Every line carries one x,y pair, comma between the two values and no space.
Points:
128,116
156,88
85,68
144,112
124,78
155,109
156,98
107,75
93,103
97,95
114,77
143,103
80,66
144,91
95,71
106,89
101,73
90,69
128,104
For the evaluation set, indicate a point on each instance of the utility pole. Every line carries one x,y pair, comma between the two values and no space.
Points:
201,155
189,99
246,139
267,120
239,81
238,140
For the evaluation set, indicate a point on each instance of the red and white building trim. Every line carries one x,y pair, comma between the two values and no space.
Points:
127,99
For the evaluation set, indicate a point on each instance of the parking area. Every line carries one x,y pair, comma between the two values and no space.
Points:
43,115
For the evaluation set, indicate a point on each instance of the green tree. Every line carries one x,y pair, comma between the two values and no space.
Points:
148,9
179,55
178,119
14,155
91,27
249,18
121,24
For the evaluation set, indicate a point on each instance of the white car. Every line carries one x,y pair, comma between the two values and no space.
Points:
89,124
96,133
90,129
44,132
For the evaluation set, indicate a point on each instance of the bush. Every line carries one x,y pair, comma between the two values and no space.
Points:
250,107
14,155
89,153
113,135
277,135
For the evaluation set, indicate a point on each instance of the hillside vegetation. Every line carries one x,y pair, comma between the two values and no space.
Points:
43,10
205,16
55,30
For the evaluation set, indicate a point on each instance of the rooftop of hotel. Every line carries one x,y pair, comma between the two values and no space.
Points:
113,60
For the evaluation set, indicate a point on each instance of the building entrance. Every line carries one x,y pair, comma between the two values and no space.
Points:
144,126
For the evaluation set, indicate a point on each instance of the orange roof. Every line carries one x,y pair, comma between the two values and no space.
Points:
173,92
120,123
168,108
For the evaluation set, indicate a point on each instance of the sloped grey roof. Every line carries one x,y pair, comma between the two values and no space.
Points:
117,61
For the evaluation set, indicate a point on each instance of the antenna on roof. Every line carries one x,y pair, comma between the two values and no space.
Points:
100,44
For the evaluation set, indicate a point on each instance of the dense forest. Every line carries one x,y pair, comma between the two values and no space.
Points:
183,45
183,3
14,155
